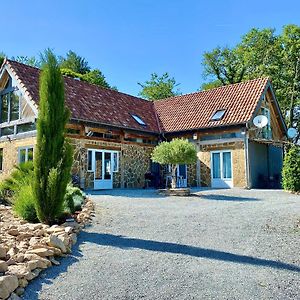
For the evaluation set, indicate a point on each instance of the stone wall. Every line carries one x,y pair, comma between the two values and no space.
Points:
192,175
134,162
238,162
10,153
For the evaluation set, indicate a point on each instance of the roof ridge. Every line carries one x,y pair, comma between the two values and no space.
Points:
213,89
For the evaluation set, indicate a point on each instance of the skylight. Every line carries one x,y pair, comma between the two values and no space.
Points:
218,115
138,120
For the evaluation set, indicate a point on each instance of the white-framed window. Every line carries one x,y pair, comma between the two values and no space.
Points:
115,161
15,116
25,154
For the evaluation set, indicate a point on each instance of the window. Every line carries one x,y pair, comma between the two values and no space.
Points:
15,114
266,131
1,159
138,120
25,154
115,162
218,115
90,166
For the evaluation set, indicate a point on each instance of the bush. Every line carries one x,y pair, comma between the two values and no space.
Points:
19,177
73,200
24,204
291,170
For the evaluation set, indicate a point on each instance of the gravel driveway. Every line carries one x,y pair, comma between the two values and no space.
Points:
217,244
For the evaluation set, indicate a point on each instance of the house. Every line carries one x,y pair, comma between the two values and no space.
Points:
114,133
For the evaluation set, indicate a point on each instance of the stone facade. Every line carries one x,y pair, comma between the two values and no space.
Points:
10,153
238,162
134,162
192,175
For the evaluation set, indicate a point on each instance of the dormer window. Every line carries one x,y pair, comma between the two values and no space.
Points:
139,120
218,115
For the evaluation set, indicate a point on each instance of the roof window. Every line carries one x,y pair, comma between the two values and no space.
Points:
138,120
218,115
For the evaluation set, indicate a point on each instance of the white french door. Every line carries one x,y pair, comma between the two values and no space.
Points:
102,163
221,169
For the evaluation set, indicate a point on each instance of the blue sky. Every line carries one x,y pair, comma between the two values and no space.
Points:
130,39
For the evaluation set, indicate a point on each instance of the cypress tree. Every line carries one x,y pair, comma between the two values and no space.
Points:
53,154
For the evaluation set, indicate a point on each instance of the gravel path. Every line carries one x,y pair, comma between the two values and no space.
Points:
218,244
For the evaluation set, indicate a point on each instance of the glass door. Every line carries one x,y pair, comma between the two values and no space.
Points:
100,162
221,169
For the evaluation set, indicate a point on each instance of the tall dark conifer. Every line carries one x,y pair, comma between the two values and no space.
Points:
53,155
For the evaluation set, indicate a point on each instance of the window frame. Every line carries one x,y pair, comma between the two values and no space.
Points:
26,148
1,159
215,114
9,88
138,119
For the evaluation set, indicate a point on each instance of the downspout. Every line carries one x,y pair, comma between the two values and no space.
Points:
198,168
247,165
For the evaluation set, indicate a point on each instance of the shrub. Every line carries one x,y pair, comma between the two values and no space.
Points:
291,170
174,153
24,204
20,176
74,198
53,153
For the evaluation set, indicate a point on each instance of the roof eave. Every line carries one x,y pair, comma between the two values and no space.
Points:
201,129
89,122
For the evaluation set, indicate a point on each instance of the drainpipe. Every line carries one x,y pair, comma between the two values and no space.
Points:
198,168
247,165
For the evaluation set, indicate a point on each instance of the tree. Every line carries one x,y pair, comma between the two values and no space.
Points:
94,77
2,57
225,64
30,61
53,155
262,53
159,87
291,170
75,63
174,153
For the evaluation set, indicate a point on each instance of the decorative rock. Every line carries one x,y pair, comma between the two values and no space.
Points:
57,242
32,264
14,296
13,231
54,261
11,262
43,263
3,252
20,291
20,270
55,228
3,266
68,229
35,273
73,238
23,282
8,284
43,252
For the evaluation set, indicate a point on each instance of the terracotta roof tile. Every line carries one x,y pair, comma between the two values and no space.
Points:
92,103
194,111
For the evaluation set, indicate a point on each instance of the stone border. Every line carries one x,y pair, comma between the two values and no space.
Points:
26,248
181,192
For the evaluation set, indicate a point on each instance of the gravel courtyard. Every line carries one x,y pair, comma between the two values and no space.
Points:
217,244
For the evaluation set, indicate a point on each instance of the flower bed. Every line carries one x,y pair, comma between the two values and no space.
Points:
28,248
